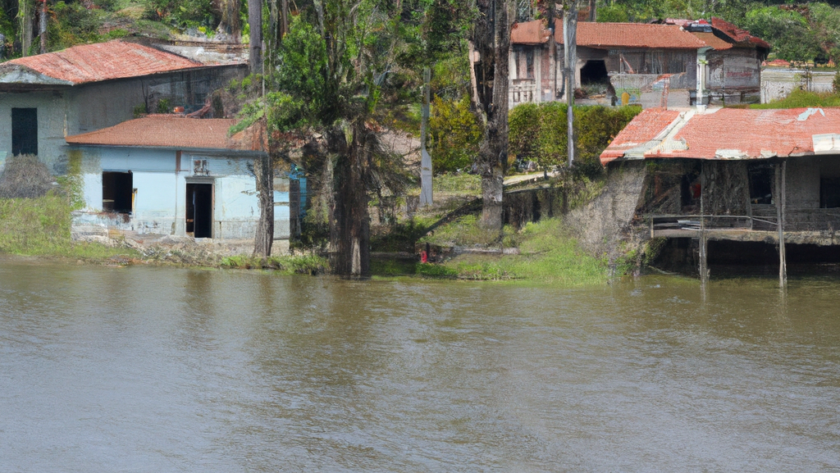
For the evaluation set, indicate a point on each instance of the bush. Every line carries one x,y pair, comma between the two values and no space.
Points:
539,132
455,135
786,30
802,99
25,178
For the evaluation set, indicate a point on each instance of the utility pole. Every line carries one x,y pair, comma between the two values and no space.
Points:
255,38
425,158
570,66
43,25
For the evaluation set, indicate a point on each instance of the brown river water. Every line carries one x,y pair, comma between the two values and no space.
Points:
163,370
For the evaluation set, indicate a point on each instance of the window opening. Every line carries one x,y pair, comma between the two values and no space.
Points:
200,210
761,183
117,192
24,131
830,192
529,62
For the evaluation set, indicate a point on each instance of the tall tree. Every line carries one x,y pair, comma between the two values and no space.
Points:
325,89
489,48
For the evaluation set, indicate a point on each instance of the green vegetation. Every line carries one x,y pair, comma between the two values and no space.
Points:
538,133
803,99
455,135
41,227
548,255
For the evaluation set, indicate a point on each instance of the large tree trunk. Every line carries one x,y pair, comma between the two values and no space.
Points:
491,38
349,219
25,11
42,26
264,172
255,46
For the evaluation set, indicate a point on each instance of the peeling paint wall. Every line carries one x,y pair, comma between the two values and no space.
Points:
91,107
777,84
51,124
734,76
160,201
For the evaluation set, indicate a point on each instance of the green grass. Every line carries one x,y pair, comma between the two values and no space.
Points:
465,231
41,227
548,254
803,99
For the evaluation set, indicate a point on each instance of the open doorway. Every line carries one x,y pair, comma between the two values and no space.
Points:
24,131
200,210
118,192
594,72
761,183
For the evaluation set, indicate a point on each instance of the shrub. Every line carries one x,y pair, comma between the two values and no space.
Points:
455,135
25,177
539,133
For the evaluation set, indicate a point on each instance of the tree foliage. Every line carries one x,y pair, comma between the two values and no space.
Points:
455,135
538,133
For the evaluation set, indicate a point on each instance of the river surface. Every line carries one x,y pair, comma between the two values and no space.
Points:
164,370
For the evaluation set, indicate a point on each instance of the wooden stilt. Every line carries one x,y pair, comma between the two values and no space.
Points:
704,247
780,217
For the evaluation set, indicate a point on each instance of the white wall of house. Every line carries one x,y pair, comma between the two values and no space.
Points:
160,201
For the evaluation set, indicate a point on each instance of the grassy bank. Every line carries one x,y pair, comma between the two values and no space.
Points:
41,227
547,254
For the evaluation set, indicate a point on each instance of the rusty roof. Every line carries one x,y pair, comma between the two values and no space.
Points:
737,34
631,35
728,134
171,131
102,61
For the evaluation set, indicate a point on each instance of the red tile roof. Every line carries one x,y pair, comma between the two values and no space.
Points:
631,35
102,61
530,32
728,134
713,41
737,34
169,131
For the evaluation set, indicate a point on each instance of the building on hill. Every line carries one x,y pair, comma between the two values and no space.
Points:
741,179
170,175
645,64
85,88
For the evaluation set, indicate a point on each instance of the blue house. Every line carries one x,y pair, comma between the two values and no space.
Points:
170,175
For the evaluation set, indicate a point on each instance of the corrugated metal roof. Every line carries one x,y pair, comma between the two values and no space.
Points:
102,61
729,134
169,131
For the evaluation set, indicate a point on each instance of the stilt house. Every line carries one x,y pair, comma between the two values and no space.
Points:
741,177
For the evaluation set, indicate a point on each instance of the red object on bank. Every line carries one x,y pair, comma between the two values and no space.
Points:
424,257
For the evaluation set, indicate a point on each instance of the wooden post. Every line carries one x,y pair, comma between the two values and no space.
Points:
704,253
780,220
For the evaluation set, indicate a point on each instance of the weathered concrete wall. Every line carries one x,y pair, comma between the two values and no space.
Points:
85,108
802,186
52,123
777,84
603,223
160,203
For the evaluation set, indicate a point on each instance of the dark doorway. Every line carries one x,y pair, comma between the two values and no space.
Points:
761,183
117,192
24,131
830,192
594,72
200,210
